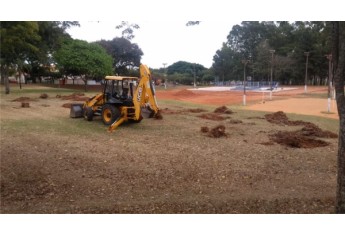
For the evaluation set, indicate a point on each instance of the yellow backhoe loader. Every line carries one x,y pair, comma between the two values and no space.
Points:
123,99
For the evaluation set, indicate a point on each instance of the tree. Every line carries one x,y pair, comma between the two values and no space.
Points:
128,29
227,63
338,58
189,23
18,43
78,57
124,53
53,34
289,40
28,45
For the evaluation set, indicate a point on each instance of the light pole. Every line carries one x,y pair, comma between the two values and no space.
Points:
245,62
329,57
165,75
271,88
306,72
194,75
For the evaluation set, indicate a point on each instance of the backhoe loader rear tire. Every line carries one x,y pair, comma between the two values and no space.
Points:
110,113
88,113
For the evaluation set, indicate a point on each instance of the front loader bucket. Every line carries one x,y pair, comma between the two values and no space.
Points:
76,110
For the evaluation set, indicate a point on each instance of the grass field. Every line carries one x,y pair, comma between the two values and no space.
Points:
51,163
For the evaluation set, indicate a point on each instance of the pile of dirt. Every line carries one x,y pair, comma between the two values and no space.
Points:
74,97
158,116
22,99
303,138
296,140
311,129
223,110
184,93
44,96
25,104
216,132
67,105
211,116
204,129
280,118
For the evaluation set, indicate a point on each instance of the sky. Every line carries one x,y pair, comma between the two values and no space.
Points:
164,41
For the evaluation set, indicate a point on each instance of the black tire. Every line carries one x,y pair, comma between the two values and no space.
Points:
110,113
88,113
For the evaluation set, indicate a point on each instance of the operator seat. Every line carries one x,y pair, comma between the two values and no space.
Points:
124,93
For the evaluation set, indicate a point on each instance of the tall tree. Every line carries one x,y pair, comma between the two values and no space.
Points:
338,58
124,53
78,57
52,34
18,42
127,29
227,63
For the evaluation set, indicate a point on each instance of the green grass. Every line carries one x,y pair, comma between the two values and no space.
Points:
68,126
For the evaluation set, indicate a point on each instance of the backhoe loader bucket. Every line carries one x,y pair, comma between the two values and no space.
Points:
146,112
76,110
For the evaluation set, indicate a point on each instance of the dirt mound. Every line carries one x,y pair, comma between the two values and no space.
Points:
22,99
44,96
211,116
311,129
67,105
204,129
280,118
184,93
296,140
304,138
25,104
216,132
158,116
74,97
223,110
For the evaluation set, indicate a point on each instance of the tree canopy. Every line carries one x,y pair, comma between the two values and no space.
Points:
78,57
253,41
124,53
29,44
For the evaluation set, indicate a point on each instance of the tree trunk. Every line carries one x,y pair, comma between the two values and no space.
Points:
4,74
85,82
338,57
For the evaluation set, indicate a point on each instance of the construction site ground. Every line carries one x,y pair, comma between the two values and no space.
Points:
209,154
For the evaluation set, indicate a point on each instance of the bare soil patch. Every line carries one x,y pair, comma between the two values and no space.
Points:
295,140
223,110
304,138
216,132
280,118
67,105
23,99
44,96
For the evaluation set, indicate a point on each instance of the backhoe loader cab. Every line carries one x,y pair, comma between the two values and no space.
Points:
122,99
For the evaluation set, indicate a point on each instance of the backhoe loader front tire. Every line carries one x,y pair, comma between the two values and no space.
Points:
88,113
110,113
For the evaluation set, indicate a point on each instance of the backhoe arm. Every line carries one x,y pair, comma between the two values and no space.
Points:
145,94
